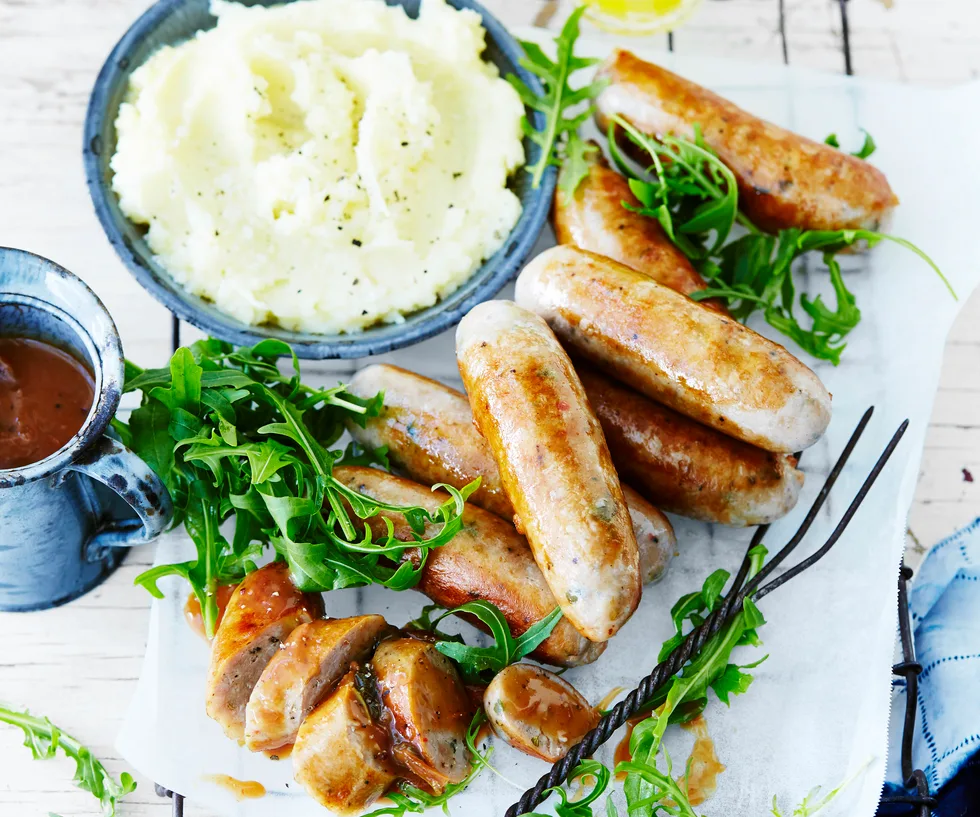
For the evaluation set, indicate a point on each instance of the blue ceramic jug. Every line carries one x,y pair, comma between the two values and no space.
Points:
64,519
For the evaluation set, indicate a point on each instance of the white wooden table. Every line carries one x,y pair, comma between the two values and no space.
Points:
79,664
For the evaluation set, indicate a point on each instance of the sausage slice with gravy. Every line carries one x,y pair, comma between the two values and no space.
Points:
264,609
312,660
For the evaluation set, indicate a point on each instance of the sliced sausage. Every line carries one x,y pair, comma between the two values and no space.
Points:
312,660
530,406
705,365
429,448
538,712
784,180
341,756
264,609
594,218
487,559
430,709
428,429
688,468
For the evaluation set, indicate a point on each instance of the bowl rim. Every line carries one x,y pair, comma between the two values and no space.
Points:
337,346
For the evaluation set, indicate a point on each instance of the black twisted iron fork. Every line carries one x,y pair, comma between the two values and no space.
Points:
665,671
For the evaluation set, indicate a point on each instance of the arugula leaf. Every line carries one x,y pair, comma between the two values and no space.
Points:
694,197
44,739
867,148
755,272
581,806
234,437
559,138
686,188
812,802
480,664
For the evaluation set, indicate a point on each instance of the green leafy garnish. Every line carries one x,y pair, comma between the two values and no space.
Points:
694,197
686,188
44,739
480,664
559,140
813,802
233,437
409,799
867,148
598,781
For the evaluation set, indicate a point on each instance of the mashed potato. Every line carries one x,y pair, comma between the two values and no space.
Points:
324,164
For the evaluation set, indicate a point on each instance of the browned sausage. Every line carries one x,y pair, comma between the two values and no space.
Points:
530,406
264,609
429,431
686,467
595,219
702,364
312,660
430,709
537,712
342,754
487,559
784,180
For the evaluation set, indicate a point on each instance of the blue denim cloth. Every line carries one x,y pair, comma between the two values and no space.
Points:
945,605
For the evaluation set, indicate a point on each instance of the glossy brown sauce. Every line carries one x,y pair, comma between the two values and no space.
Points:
192,609
610,696
622,754
241,789
281,753
545,706
45,396
704,766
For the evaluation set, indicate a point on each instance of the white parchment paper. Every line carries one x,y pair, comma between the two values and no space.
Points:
818,709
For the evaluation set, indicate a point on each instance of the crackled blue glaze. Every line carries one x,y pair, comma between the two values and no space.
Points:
172,21
63,519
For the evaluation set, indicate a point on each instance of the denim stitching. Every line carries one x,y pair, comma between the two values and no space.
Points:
960,745
946,658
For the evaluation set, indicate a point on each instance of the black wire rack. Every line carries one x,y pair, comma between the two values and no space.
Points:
919,799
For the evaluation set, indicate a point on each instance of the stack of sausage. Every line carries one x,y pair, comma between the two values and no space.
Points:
361,703
603,370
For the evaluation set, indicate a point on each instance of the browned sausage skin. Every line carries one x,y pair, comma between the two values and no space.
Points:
672,349
264,609
429,431
688,468
487,559
554,463
595,219
784,179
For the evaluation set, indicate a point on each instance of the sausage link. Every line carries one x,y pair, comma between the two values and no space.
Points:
688,468
554,463
487,559
538,712
784,180
431,438
702,364
429,432
595,219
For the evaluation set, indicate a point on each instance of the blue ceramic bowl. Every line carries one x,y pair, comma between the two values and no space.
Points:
173,21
